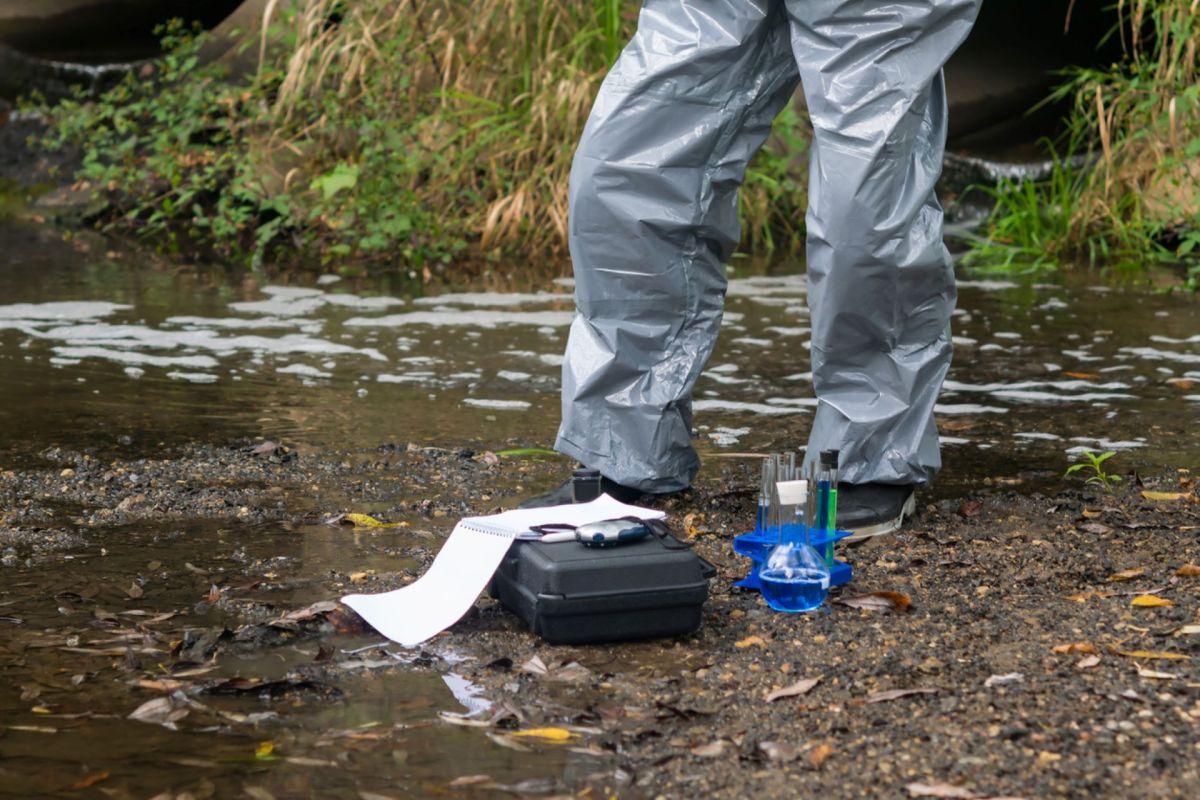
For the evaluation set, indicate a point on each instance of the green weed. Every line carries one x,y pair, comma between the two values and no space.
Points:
1136,125
1095,463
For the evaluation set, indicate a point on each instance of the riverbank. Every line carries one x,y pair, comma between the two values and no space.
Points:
1021,665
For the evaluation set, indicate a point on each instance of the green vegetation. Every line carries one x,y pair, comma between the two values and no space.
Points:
1136,197
1095,463
384,133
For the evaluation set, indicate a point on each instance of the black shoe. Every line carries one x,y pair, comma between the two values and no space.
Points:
873,509
565,494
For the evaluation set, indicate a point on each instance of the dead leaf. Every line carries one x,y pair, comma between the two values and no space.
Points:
90,780
712,749
364,521
547,734
750,641
135,591
1188,630
1087,513
1127,574
1150,601
1188,571
214,594
819,754
1154,674
1003,680
508,743
190,567
1081,376
1076,647
795,690
877,601
257,793
470,780
939,790
896,694
1095,528
1165,496
778,751
970,508
1088,662
265,449
1152,655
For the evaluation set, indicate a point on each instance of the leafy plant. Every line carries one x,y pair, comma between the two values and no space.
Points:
408,133
1095,463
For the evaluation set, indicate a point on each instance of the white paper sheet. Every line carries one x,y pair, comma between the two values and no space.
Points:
465,564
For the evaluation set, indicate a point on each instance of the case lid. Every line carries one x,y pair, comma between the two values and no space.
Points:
569,569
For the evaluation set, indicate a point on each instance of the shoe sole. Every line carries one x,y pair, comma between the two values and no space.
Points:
883,528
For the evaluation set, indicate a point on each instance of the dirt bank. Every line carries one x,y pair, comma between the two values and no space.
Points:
1022,666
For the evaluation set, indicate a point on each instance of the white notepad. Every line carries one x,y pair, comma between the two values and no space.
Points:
466,563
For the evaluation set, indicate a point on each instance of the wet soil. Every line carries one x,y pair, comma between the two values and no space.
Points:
192,590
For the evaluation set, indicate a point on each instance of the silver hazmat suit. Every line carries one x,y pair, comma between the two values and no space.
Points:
654,218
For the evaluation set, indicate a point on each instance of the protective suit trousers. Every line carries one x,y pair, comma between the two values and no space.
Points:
654,206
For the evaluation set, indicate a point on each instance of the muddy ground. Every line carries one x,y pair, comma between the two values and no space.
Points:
1022,667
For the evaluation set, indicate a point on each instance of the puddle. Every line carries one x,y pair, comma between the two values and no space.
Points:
126,359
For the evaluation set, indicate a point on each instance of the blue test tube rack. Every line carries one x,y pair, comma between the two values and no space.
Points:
756,544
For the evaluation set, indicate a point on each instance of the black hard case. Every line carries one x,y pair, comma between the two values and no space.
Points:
571,594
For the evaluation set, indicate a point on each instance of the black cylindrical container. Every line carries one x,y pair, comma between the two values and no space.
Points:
585,485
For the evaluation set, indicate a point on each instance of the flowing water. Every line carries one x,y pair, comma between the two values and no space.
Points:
119,354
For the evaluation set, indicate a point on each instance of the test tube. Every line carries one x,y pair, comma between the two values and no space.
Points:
826,500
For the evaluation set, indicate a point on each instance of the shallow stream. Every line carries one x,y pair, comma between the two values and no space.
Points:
119,355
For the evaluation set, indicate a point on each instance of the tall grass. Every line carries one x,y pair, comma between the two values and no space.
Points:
1138,123
411,131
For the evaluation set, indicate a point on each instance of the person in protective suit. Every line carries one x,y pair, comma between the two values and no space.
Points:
653,201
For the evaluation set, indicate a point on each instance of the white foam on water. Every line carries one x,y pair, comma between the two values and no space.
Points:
963,341
465,376
409,377
427,360
726,380
1192,397
724,368
733,316
135,358
138,336
986,286
494,299
1049,437
1154,354
1081,355
966,408
724,437
1054,367
135,372
1095,444
772,301
991,347
193,377
326,280
952,440
304,370
1051,397
460,318
782,331
1168,340
1006,335
1067,385
551,359
762,286
799,376
803,402
751,408
516,377
361,303
239,323
1053,304
59,361
499,405
569,283
66,311
753,342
